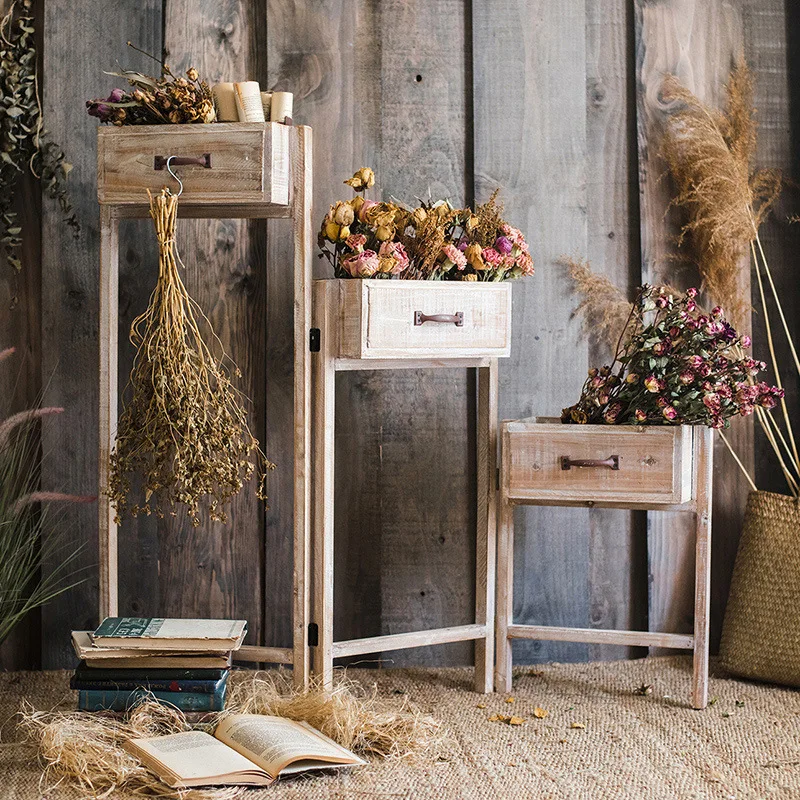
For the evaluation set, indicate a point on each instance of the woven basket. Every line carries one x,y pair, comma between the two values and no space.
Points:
761,632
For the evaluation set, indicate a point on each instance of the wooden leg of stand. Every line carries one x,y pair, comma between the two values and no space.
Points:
303,259
108,322
703,451
324,409
486,545
505,593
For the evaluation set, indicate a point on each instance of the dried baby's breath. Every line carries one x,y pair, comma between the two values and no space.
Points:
184,430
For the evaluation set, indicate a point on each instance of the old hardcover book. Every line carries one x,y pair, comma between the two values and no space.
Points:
245,750
165,684
83,672
121,700
142,633
113,657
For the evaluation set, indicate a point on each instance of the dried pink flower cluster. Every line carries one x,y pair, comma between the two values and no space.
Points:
678,367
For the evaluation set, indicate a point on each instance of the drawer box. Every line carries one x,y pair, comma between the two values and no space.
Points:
243,163
549,461
389,319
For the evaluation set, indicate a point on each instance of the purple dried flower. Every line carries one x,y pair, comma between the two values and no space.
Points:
503,245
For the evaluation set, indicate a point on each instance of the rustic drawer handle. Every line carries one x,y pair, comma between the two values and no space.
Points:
612,462
456,319
160,162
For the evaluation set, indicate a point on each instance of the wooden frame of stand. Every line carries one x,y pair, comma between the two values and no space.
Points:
347,326
668,469
258,171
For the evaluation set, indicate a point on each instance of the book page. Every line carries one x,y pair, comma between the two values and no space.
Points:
275,742
194,757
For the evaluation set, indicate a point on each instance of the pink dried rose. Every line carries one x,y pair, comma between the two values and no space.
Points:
393,258
653,384
454,255
364,209
362,265
356,241
669,413
639,415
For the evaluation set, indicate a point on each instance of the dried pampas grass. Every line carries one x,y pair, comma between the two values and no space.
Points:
710,155
604,307
349,714
85,749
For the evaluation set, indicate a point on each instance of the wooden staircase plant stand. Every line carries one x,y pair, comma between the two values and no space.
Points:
228,170
405,324
654,468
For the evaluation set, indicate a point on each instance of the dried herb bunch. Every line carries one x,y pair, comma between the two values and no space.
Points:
156,101
434,241
24,143
710,156
674,366
184,429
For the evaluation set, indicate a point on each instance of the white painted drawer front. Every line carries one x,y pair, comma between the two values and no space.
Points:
396,323
628,464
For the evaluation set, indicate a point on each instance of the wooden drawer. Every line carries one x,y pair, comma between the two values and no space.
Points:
638,464
391,319
248,164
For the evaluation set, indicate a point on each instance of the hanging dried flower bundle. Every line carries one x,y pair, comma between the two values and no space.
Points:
434,241
184,430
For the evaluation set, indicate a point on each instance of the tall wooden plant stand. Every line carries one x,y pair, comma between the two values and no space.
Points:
654,468
228,170
398,324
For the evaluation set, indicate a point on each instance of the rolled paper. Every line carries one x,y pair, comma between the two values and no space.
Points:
248,101
281,106
266,104
225,101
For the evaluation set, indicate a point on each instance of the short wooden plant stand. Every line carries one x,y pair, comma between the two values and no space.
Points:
227,170
398,324
659,468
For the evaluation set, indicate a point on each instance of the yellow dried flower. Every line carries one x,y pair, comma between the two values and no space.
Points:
384,233
332,231
342,213
471,223
192,74
473,254
469,276
356,203
344,232
419,215
362,180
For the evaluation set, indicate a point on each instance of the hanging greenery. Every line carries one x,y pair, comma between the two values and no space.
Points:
184,430
24,143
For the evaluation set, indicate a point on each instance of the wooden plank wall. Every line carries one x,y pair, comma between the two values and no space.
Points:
462,96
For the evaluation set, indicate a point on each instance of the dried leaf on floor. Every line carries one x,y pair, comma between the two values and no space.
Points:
481,705
508,720
540,713
510,699
644,689
578,725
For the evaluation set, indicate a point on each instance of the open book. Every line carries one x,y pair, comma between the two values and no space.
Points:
246,749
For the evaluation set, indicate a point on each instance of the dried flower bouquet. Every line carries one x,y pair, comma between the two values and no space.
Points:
674,366
367,239
156,101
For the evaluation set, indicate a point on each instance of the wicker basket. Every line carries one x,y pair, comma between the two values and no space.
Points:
761,633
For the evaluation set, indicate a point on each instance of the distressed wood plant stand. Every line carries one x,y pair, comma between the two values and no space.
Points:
382,324
228,170
653,468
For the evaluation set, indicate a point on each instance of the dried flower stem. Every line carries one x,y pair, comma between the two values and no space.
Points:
738,461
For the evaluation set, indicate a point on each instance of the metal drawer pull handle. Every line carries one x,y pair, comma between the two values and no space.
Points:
456,319
612,462
160,162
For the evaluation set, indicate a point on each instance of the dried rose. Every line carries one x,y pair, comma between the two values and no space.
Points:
362,265
362,180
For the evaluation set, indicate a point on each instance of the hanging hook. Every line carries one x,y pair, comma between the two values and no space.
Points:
169,169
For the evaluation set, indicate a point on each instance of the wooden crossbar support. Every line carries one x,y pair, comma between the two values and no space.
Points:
402,641
699,504
545,633
298,152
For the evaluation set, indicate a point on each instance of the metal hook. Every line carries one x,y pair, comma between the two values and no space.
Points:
169,169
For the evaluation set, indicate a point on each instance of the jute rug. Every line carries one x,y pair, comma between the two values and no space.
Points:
643,746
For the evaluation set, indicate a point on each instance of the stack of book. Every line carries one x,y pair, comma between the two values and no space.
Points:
183,662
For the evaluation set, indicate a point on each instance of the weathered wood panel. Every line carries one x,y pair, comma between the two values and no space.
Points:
529,84
698,43
216,570
80,42
617,546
